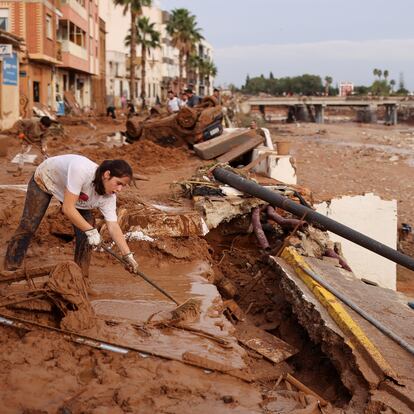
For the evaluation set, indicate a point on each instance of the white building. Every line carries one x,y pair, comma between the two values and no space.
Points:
162,63
346,88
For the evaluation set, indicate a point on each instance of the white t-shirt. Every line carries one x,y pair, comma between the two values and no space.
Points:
174,104
75,173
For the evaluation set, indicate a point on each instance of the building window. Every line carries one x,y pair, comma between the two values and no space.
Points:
4,19
36,91
49,30
77,35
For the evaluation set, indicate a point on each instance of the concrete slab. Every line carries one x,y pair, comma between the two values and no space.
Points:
376,218
385,305
229,139
241,149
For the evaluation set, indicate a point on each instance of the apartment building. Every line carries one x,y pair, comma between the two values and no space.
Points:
162,63
79,49
10,56
36,23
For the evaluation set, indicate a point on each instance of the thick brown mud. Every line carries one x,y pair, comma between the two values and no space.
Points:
195,365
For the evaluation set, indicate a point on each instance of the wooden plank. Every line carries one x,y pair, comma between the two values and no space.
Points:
240,149
271,347
23,274
302,387
215,147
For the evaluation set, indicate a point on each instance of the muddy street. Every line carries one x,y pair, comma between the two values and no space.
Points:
255,342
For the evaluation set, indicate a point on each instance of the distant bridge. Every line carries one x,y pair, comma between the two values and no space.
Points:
313,107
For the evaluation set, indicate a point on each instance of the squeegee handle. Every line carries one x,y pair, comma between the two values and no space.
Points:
139,273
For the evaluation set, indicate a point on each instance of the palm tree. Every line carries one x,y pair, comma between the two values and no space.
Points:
386,74
392,83
148,38
206,70
135,8
182,27
328,83
192,66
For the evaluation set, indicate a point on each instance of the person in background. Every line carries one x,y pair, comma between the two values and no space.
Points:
80,185
193,99
34,131
253,125
110,111
183,100
131,109
123,102
110,106
216,94
173,103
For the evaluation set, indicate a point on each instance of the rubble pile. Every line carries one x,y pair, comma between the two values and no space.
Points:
188,126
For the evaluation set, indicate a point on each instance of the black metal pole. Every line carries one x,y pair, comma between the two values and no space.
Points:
275,199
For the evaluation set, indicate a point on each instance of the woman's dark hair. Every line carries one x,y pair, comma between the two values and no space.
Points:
117,168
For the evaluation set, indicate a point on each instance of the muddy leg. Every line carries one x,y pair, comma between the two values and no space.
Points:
82,248
34,209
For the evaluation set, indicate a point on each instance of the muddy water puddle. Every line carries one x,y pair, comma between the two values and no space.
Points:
130,302
130,297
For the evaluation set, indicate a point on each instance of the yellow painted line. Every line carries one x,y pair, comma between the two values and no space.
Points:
337,311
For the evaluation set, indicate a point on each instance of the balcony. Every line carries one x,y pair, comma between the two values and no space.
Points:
74,49
76,7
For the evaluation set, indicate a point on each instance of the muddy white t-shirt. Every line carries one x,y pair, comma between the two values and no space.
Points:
75,173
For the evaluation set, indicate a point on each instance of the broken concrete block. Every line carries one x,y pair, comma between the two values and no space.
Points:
217,146
279,167
241,149
219,209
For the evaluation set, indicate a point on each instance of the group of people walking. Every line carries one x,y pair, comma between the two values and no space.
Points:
186,98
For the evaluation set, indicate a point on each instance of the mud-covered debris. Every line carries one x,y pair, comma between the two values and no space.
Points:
69,290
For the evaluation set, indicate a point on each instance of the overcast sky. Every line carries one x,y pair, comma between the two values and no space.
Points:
342,39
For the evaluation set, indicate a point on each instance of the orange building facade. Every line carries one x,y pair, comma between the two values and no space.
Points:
62,41
36,23
79,42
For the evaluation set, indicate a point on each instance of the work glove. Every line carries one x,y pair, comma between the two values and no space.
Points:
130,263
94,238
43,150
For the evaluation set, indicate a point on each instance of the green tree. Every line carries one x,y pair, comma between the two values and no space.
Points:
380,88
328,83
134,7
148,38
182,27
386,74
305,84
361,90
401,85
206,70
392,84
